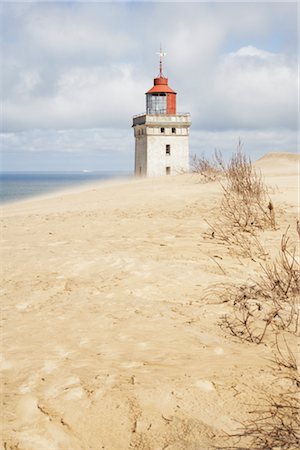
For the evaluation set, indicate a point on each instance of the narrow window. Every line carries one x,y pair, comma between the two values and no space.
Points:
174,130
162,130
168,170
168,149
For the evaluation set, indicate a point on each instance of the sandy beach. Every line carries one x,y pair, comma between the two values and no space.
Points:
110,318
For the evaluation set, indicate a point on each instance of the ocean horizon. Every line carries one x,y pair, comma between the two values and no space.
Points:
16,186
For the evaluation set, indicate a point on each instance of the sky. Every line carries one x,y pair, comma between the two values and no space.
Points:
75,73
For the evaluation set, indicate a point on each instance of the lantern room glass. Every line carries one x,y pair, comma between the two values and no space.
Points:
156,103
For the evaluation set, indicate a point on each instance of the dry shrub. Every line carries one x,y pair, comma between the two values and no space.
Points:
269,302
284,362
209,169
245,203
276,425
245,207
239,243
282,278
241,175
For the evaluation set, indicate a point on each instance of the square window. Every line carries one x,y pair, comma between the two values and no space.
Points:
174,130
168,149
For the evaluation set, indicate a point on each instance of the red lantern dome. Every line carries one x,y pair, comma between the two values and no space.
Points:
161,99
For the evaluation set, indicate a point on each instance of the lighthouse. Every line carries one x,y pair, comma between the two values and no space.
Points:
161,134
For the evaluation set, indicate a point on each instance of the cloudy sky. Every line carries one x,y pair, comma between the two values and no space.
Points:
76,72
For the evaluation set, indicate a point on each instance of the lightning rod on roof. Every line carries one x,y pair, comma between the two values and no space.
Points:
161,55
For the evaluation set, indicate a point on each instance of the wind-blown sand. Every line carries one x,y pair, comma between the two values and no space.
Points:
110,331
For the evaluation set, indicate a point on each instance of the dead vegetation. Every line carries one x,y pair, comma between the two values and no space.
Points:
270,302
265,308
238,242
246,205
276,424
209,169
245,208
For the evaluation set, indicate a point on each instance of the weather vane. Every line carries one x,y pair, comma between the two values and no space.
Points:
161,55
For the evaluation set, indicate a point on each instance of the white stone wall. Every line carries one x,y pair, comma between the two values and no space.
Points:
151,158
140,155
158,160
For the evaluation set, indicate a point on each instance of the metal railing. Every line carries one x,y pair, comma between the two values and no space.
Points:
162,114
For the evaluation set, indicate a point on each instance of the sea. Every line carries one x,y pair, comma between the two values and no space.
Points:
23,185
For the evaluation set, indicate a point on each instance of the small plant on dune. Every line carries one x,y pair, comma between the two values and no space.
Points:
267,306
276,425
269,302
282,278
245,203
245,207
241,175
209,169
238,243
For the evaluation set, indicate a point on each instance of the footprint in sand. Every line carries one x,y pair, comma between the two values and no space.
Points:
74,393
205,385
24,389
37,430
219,351
62,353
143,344
22,306
132,364
30,384
49,366
5,364
27,409
83,341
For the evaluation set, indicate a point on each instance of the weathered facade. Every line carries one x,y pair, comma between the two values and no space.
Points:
161,134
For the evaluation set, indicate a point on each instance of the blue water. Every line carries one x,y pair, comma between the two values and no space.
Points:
18,186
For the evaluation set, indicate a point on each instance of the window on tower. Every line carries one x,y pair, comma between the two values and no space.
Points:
174,130
162,130
168,149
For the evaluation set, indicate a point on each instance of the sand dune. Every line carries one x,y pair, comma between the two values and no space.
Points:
110,317
279,157
279,163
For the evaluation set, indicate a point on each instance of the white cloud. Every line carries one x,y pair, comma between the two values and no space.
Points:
71,149
251,51
83,141
75,66
83,97
81,31
252,88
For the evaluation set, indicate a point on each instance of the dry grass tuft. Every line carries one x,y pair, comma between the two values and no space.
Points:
209,169
276,425
245,205
270,302
238,242
269,305
245,208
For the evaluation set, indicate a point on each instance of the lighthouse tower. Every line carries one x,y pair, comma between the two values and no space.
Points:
161,134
